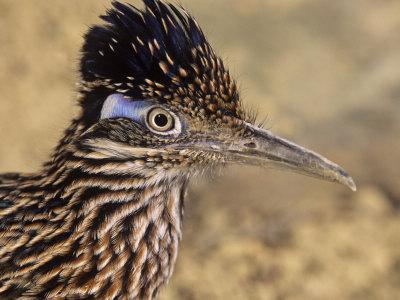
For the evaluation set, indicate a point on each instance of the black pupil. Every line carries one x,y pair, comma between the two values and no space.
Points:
161,120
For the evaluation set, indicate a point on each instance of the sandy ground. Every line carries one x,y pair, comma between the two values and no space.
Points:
327,75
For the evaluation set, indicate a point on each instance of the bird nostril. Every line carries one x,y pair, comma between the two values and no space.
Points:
251,145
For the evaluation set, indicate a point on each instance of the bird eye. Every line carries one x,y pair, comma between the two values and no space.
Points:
160,120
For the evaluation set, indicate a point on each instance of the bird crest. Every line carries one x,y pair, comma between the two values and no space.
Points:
159,53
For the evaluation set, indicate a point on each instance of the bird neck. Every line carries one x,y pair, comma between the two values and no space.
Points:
119,227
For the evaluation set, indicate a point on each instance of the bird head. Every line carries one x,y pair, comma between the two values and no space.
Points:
155,93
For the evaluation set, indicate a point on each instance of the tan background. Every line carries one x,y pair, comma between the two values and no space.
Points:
326,73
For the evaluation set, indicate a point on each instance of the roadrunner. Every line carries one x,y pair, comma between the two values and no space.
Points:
103,218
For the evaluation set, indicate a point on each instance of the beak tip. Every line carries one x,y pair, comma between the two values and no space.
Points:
345,179
349,182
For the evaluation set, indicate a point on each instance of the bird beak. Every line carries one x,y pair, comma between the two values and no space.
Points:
263,148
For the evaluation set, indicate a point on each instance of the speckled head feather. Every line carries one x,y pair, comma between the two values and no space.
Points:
160,53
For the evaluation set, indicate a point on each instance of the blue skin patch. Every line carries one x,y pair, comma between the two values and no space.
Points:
116,106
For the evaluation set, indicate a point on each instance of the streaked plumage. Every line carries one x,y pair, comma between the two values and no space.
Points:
103,218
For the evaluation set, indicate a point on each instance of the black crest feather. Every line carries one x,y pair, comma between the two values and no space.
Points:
133,42
157,52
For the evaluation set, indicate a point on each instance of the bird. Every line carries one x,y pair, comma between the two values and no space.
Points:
102,219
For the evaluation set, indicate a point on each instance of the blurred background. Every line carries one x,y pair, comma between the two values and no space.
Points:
327,75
